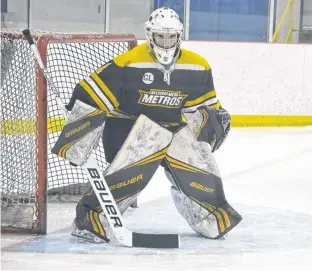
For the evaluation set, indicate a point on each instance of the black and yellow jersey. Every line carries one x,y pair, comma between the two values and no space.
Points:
133,83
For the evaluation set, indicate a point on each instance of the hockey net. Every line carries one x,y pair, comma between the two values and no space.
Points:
31,176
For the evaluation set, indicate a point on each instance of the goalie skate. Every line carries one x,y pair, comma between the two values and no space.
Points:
89,225
86,235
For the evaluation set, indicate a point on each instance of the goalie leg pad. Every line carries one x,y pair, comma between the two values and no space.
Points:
211,224
137,160
198,193
199,219
134,165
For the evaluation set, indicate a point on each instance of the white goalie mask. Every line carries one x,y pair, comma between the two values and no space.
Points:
164,32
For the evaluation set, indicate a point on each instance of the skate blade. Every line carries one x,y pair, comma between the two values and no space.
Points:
88,236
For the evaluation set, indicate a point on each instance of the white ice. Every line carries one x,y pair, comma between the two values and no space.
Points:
267,177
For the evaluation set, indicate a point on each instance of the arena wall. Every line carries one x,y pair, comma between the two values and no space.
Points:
261,84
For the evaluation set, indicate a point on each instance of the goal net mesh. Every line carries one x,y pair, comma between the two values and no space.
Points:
68,60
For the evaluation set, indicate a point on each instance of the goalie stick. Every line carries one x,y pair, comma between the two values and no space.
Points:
101,189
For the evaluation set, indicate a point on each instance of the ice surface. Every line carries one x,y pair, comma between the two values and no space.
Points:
267,177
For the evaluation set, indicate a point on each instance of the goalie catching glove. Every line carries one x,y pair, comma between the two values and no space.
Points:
216,128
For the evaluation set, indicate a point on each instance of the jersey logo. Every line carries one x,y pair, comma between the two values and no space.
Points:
148,78
162,98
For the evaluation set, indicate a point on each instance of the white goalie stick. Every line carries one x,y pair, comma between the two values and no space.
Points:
101,189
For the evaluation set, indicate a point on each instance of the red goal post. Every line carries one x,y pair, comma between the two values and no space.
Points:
31,121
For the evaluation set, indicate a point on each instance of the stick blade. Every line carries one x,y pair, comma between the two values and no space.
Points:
155,240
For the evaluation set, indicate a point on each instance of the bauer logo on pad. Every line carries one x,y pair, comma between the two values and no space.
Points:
162,98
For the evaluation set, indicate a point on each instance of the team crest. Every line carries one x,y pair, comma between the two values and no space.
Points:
148,78
162,98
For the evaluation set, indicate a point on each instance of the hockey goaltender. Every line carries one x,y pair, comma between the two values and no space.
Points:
183,123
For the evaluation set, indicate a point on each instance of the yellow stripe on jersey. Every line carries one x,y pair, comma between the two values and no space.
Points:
139,54
105,89
142,54
201,99
93,95
189,57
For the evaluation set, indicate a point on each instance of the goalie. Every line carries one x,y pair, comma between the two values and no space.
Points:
174,88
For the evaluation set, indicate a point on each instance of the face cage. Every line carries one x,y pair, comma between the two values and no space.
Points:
166,43
157,49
